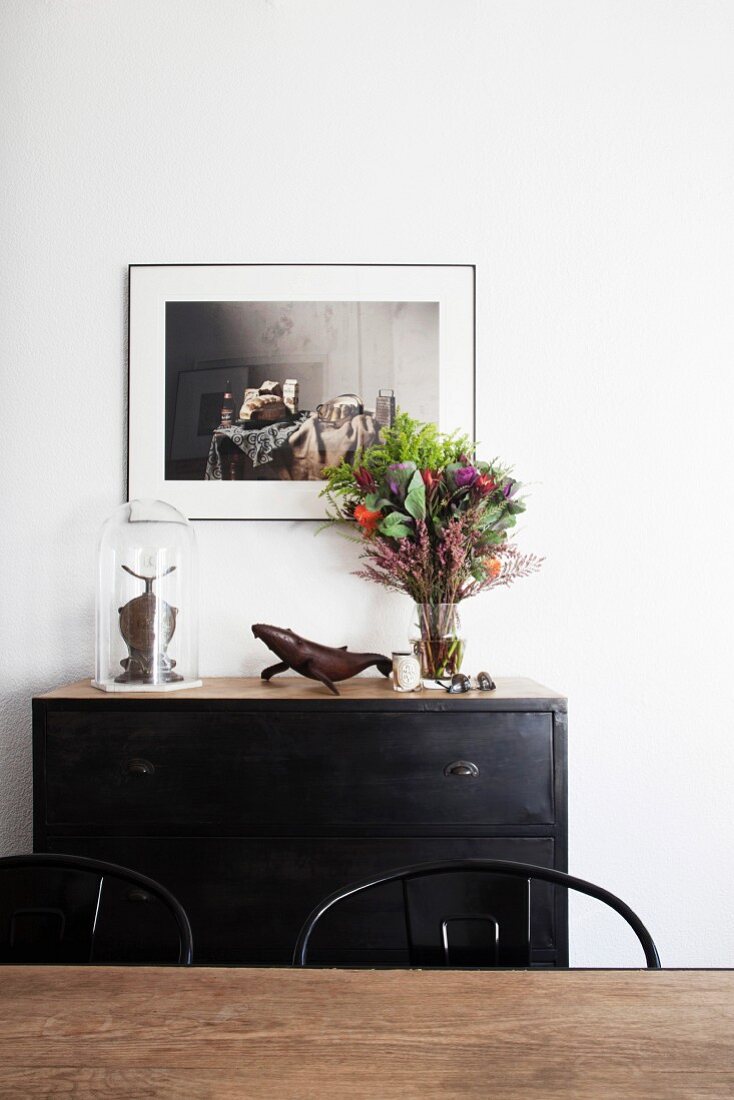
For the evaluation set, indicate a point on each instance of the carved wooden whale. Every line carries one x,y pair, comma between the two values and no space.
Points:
317,662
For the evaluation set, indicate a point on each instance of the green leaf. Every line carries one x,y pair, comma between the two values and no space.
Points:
376,503
395,526
505,523
490,516
450,473
415,500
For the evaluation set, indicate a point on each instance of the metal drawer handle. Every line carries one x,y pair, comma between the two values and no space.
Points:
139,767
462,768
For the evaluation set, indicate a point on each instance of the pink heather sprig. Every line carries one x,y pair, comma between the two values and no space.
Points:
512,566
443,576
426,573
402,566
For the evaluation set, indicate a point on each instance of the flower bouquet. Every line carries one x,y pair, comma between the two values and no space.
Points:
433,524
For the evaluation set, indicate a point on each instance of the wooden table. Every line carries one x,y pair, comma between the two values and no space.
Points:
190,1033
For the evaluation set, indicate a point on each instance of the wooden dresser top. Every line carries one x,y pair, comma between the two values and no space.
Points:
511,692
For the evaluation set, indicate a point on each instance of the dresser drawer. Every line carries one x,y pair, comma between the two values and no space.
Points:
182,768
247,897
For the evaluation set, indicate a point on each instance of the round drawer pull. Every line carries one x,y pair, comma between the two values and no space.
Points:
463,768
139,767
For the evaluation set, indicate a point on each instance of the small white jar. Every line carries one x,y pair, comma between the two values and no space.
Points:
406,671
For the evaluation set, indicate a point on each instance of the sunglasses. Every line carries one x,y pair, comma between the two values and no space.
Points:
461,683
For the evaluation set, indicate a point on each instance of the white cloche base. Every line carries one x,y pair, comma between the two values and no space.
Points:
178,685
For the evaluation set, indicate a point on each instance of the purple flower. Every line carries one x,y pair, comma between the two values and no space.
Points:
465,476
507,490
398,476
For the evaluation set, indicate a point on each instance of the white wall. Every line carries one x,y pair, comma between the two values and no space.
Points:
580,153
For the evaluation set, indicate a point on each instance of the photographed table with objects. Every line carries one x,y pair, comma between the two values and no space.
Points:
296,449
259,1032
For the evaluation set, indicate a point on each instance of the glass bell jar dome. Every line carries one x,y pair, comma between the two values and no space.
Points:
147,600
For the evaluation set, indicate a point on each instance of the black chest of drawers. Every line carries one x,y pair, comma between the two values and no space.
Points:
251,802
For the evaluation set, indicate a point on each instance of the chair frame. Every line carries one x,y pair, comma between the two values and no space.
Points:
102,868
492,866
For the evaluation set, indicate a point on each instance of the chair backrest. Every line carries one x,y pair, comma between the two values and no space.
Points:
486,923
52,907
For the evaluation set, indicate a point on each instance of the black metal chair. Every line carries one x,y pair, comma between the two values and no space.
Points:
484,924
53,909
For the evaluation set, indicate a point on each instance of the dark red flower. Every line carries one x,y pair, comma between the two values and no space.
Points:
364,479
431,478
485,484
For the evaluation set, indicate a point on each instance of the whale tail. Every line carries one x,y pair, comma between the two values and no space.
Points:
384,665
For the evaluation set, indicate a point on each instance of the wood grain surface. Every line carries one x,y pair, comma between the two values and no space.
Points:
298,688
90,1032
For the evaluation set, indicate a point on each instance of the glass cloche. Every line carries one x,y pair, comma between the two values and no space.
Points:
147,600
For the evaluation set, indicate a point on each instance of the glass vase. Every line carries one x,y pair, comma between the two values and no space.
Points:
437,640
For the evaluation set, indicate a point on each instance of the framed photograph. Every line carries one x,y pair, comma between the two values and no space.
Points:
246,380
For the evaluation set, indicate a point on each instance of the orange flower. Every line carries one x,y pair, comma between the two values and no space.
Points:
493,566
366,519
